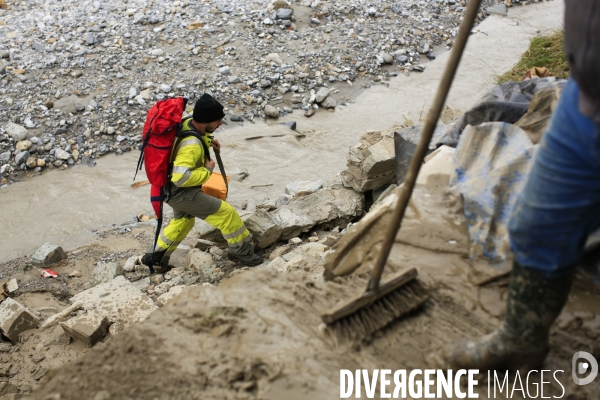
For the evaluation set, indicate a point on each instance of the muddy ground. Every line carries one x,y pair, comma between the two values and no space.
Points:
258,335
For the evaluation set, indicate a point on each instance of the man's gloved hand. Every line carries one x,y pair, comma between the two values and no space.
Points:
209,165
215,144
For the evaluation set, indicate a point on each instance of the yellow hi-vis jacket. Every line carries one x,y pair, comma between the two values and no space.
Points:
188,166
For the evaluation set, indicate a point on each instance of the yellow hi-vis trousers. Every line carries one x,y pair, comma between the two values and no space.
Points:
191,203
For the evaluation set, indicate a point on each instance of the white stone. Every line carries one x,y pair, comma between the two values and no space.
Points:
120,300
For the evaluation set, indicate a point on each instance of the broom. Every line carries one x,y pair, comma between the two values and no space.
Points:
380,304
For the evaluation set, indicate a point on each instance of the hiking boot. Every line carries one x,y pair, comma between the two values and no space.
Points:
533,304
250,260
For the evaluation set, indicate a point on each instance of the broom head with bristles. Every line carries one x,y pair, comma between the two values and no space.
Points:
359,318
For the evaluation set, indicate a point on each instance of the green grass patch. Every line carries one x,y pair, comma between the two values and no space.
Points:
544,51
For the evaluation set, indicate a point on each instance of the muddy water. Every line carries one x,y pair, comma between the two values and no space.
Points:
64,206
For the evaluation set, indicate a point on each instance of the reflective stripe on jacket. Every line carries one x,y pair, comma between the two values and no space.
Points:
188,166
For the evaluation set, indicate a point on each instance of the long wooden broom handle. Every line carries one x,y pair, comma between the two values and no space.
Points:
421,150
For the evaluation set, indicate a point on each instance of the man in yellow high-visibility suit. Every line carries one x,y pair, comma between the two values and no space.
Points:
191,168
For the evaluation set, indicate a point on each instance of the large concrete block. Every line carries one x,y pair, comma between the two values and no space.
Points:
371,163
326,206
15,318
119,300
105,272
264,229
48,254
89,328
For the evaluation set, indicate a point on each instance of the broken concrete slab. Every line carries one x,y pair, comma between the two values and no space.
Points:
264,229
295,187
15,319
48,254
88,328
171,294
197,259
326,206
105,272
119,299
371,163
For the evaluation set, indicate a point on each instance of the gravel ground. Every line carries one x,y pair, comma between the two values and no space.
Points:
76,78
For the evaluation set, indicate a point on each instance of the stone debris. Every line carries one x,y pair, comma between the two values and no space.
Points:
15,319
105,272
119,300
296,187
197,259
371,162
84,64
88,328
263,228
326,206
171,294
48,254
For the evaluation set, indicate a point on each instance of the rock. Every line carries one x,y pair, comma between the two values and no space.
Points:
91,39
271,111
89,328
233,79
17,132
371,163
157,279
314,249
264,230
280,251
329,102
372,11
430,55
290,124
105,272
15,319
402,59
119,300
333,207
322,94
499,9
130,264
47,255
224,70
23,145
72,104
295,187
310,113
277,264
171,294
284,13
295,240
61,154
274,57
197,259
22,157
5,157
387,58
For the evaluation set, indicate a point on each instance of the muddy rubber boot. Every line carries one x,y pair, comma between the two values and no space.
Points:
250,260
533,304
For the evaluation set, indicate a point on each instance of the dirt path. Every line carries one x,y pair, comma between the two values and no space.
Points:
258,335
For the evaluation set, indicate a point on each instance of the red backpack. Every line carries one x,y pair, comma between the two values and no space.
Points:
163,124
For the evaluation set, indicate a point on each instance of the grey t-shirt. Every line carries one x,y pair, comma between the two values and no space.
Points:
582,47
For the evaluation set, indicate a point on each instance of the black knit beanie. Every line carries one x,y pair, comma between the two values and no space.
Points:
207,109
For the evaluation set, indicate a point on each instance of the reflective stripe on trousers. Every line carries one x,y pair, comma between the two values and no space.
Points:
226,219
